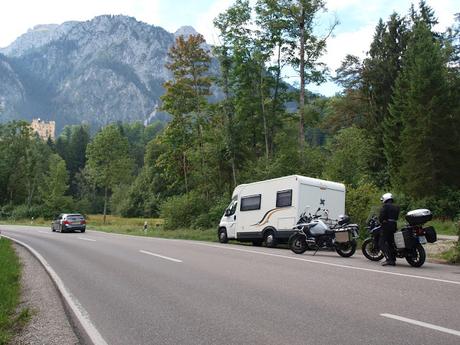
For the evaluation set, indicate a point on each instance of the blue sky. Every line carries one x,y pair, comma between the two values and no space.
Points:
358,19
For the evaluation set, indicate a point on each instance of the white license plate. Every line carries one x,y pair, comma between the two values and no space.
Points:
422,239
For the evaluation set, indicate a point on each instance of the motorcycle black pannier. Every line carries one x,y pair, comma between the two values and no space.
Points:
418,217
430,234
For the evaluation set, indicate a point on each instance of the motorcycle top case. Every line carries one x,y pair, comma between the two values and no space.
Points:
419,217
404,239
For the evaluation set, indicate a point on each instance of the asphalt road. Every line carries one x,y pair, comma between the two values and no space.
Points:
155,291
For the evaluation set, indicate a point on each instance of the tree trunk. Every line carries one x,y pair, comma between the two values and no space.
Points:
105,204
184,166
302,79
264,117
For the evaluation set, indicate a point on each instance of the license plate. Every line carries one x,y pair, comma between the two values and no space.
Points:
422,239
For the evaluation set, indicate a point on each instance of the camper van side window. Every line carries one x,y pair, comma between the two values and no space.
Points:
284,198
250,203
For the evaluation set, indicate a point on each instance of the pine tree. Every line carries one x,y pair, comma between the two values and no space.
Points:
421,101
380,72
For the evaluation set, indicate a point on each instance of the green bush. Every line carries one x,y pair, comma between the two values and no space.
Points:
6,210
210,217
27,212
192,210
457,253
362,202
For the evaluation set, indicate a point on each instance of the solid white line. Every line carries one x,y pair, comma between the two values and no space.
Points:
331,264
45,232
77,309
159,256
422,324
86,239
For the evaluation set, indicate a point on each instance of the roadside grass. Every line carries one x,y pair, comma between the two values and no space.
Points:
452,255
131,226
10,274
444,227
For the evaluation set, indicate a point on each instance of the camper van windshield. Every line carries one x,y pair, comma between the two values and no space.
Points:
231,208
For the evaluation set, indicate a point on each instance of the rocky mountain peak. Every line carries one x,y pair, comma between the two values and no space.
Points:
107,69
185,31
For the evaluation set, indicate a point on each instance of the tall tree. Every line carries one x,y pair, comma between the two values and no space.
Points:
184,99
54,186
421,101
380,72
108,160
302,47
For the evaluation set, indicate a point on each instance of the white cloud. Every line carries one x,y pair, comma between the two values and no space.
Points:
355,43
204,21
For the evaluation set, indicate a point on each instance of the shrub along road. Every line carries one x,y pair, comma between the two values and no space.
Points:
149,290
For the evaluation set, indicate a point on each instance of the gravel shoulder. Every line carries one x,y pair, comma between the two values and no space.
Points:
49,323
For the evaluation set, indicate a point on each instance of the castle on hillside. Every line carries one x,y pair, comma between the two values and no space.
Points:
44,129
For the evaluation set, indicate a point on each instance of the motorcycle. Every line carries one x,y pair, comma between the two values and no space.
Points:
314,233
408,242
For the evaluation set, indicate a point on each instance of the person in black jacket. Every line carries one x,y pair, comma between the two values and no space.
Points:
388,218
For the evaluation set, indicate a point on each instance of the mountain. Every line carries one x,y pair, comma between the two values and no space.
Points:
107,69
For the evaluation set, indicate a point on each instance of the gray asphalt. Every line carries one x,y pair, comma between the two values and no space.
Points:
233,294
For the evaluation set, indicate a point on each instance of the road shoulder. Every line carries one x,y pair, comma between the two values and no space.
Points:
49,323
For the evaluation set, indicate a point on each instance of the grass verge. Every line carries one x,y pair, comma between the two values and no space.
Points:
10,290
133,226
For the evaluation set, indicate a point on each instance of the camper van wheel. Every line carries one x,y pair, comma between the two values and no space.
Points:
223,235
270,239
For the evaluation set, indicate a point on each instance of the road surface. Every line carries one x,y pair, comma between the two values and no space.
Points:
139,290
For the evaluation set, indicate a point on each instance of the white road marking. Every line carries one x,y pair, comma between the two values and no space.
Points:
422,324
330,264
45,232
86,239
80,313
159,256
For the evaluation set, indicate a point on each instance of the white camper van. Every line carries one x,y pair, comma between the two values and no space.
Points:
267,211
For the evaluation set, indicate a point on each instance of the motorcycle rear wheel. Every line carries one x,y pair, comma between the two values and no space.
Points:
346,249
416,256
298,244
370,252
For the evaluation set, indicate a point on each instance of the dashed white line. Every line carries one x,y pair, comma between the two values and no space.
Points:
329,263
422,324
86,239
159,256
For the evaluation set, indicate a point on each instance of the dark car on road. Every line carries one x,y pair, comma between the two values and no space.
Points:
69,222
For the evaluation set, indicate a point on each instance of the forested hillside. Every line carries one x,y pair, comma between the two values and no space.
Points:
395,127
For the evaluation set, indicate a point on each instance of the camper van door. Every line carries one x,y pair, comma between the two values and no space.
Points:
230,219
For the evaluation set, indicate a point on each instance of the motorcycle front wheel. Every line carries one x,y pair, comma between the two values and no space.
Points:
298,244
416,256
370,252
346,249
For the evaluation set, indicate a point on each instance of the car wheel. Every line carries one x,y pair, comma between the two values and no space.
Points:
62,229
53,229
82,230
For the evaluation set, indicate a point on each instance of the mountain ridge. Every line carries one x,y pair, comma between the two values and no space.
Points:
107,69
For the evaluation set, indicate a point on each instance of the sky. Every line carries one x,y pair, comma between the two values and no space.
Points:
353,35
